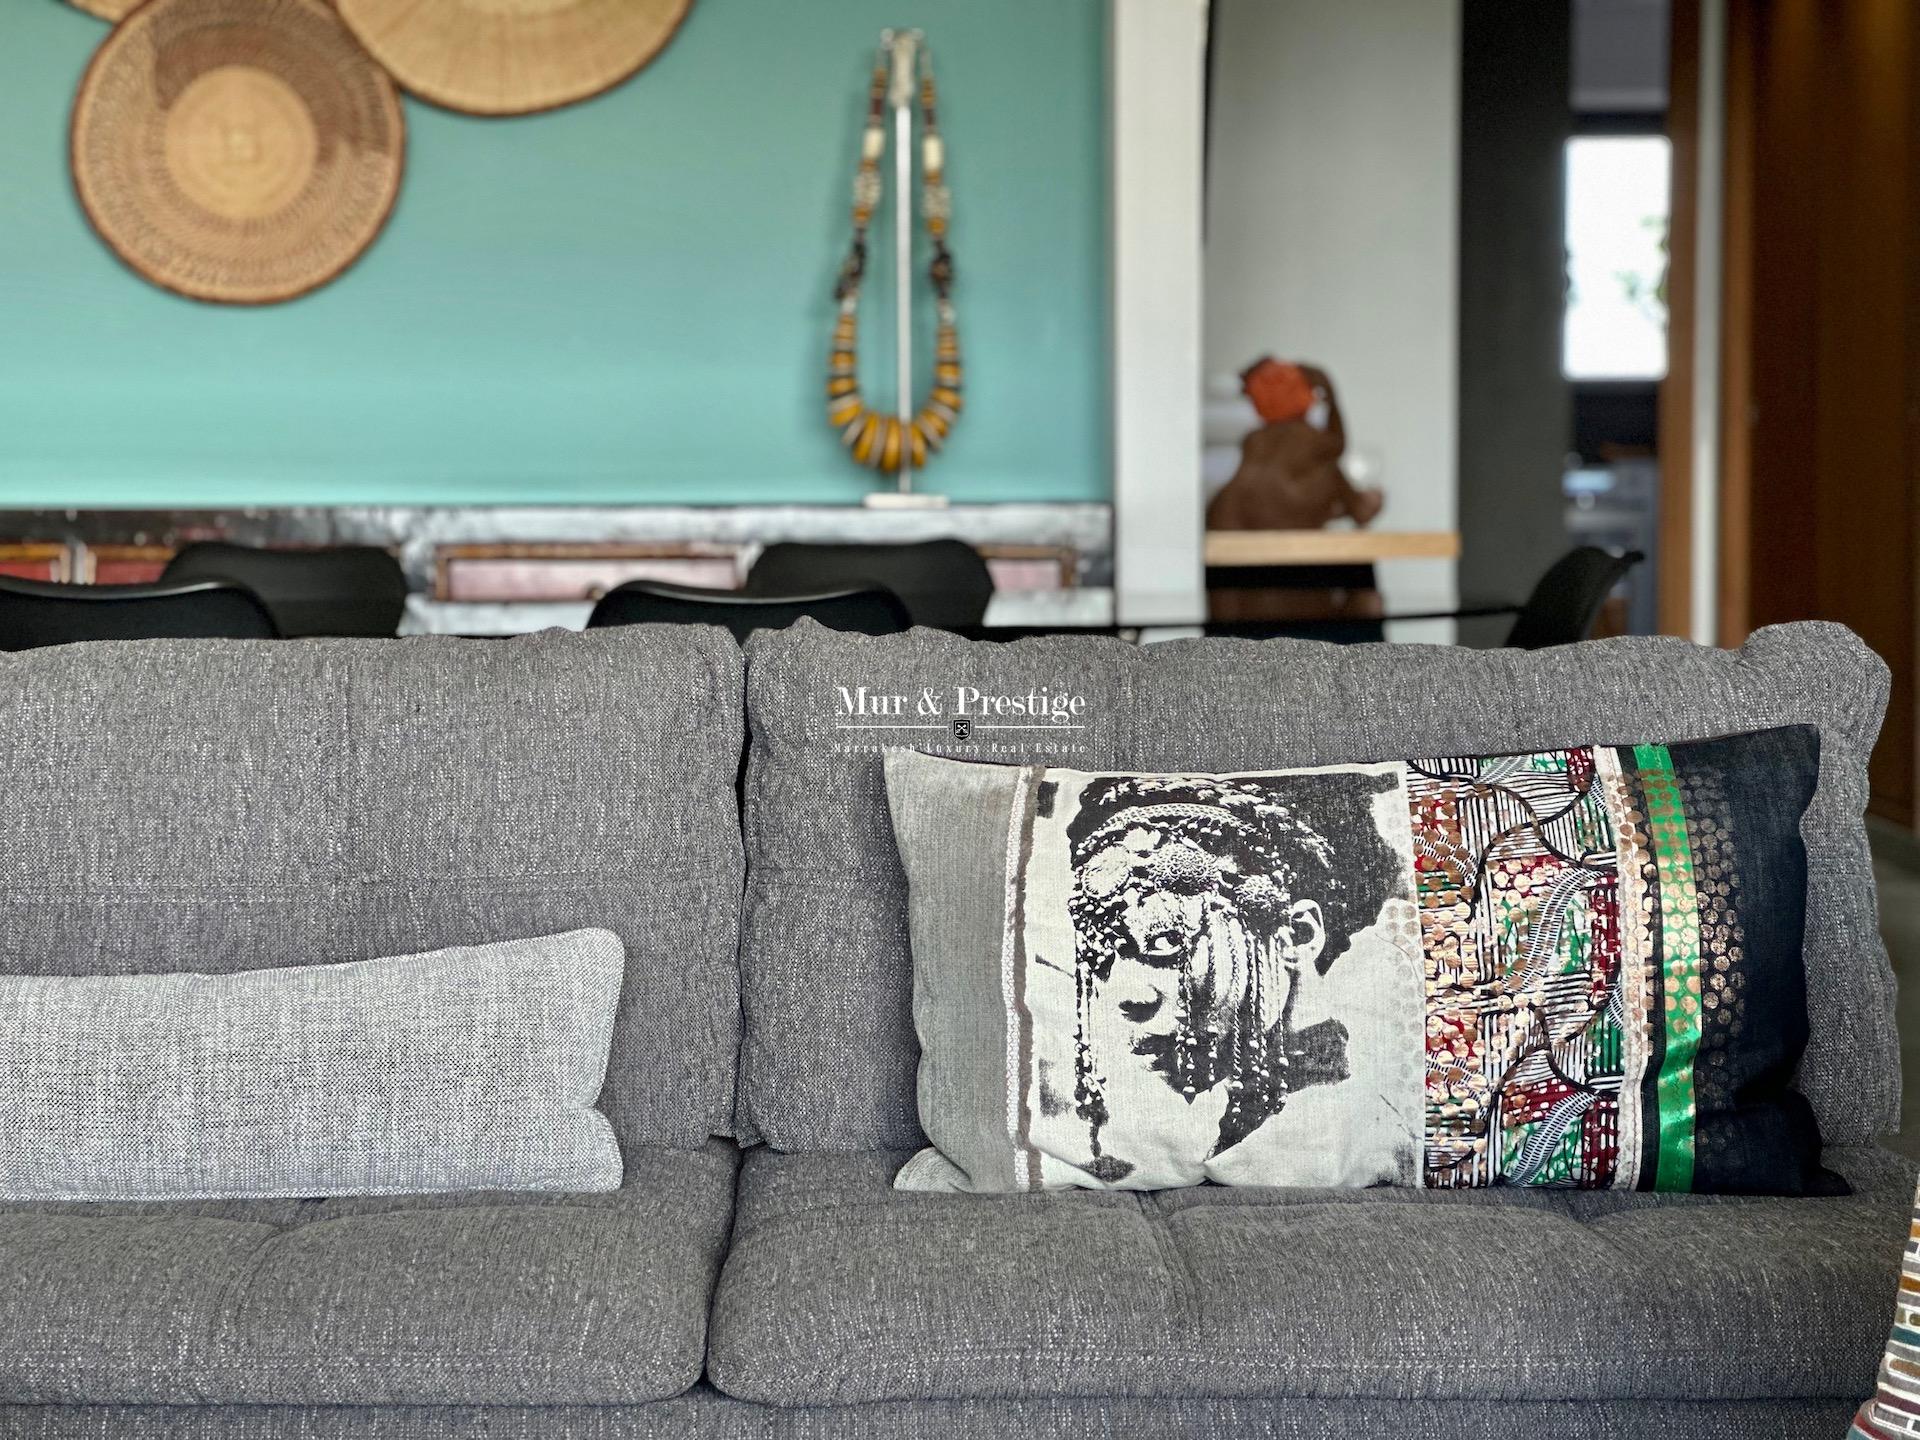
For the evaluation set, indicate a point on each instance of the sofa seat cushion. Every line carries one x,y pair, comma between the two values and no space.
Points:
486,1299
839,1289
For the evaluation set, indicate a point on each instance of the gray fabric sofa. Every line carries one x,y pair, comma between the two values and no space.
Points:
216,806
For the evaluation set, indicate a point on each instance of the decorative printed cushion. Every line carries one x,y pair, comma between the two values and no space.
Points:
1576,968
1894,1411
465,1069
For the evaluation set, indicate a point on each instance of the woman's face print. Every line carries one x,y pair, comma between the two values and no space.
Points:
1183,938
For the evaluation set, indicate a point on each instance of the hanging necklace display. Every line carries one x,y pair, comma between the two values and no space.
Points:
901,443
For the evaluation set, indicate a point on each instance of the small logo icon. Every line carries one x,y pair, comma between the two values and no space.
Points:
963,728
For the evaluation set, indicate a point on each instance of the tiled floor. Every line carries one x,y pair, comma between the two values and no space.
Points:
1896,864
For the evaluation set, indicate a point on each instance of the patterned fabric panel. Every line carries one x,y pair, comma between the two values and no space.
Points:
1614,990
1894,1410
1531,1008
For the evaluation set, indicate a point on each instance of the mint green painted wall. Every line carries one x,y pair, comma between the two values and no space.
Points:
624,302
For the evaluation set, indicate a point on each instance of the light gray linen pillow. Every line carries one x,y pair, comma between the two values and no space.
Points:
1004,1022
474,1068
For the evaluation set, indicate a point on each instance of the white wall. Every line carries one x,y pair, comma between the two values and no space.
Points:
1331,237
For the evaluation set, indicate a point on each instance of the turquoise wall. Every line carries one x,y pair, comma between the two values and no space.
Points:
625,302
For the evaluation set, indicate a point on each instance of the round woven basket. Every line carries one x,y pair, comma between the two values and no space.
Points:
512,57
105,9
243,151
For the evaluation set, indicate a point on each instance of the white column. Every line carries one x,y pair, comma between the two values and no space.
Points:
1157,90
1709,279
1332,237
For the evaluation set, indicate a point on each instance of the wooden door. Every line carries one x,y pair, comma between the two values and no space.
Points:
1821,342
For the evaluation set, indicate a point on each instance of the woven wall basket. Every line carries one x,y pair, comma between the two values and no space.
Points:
512,57
244,151
105,9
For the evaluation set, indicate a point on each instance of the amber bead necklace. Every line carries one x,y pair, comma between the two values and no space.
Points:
879,441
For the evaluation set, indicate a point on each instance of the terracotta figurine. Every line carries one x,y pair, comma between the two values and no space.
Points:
1290,479
1290,476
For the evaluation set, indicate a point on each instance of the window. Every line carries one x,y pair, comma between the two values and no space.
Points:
1617,214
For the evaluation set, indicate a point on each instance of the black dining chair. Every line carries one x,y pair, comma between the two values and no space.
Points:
862,610
37,613
943,583
1567,599
1560,610
356,590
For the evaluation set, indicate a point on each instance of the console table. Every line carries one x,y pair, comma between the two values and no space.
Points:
1328,547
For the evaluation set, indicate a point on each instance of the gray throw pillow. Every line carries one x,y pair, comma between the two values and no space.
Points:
474,1068
1018,1043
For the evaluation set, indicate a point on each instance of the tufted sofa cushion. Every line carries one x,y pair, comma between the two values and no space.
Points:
216,806
830,1053
482,1299
839,1289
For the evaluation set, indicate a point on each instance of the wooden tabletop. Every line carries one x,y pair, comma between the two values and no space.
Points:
1329,547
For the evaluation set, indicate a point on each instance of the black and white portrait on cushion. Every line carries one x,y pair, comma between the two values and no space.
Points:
1212,919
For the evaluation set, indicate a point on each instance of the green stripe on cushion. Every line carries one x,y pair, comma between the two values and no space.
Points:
1680,982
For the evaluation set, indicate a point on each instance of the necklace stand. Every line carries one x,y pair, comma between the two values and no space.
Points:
904,47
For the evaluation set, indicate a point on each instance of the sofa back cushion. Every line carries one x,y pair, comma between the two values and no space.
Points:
218,806
830,1055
